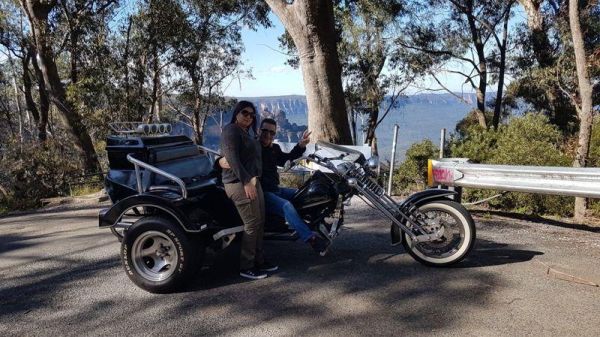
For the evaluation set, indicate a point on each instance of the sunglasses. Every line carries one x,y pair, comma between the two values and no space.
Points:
247,113
271,132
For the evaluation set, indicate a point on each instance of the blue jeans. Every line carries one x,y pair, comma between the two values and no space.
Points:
279,203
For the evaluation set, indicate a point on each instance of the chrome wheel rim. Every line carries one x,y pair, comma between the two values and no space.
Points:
154,256
452,239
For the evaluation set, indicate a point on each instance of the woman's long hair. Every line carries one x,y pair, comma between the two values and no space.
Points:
241,105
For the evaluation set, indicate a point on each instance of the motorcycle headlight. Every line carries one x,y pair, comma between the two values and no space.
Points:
373,162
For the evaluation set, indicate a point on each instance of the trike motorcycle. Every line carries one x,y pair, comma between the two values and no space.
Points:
169,206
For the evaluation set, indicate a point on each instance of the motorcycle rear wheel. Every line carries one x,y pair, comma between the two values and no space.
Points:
458,238
158,256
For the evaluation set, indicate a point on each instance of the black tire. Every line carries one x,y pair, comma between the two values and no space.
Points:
459,245
158,256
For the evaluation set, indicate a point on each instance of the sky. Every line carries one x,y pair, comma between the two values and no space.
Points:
272,77
267,63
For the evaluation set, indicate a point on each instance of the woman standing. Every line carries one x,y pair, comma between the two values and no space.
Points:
243,153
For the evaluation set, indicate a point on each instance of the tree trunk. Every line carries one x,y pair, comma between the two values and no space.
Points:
199,120
126,70
17,98
29,102
140,77
540,43
584,111
44,101
155,105
372,126
37,12
353,127
499,93
74,51
311,25
482,69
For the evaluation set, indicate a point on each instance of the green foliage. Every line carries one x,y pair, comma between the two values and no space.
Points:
527,140
544,60
85,190
594,159
475,144
30,171
412,173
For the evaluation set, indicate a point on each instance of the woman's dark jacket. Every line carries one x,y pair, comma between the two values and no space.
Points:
243,154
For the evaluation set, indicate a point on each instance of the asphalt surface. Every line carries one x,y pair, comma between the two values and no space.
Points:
61,276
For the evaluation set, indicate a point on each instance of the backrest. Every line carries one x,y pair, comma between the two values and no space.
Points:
185,162
118,147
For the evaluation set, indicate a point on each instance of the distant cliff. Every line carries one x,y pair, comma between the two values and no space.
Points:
294,105
419,117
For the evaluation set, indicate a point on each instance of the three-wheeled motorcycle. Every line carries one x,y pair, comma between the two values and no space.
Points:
169,206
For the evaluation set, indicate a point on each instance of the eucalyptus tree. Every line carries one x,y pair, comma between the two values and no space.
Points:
209,50
450,36
311,26
17,42
582,98
370,71
541,59
538,36
41,28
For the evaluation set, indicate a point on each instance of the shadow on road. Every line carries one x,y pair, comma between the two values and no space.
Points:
490,253
12,241
37,289
363,282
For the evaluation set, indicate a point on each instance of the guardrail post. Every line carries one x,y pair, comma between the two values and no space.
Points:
458,196
393,159
442,142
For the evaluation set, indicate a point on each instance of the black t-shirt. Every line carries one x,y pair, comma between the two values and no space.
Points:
271,158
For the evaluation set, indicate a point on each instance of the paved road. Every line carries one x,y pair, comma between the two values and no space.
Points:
61,276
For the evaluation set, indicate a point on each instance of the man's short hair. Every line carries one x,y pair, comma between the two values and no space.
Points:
269,121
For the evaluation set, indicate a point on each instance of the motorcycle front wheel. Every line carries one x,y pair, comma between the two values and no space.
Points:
458,236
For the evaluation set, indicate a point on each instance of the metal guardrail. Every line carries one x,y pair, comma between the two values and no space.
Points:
570,181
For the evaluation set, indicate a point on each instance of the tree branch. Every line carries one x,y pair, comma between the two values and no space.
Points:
437,52
468,77
571,96
448,90
392,103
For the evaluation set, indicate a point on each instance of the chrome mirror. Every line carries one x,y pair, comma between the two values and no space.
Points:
373,162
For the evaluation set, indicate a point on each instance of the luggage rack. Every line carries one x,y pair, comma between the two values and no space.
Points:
139,128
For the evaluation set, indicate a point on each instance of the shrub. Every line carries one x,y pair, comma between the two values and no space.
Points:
526,140
594,159
412,173
32,171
